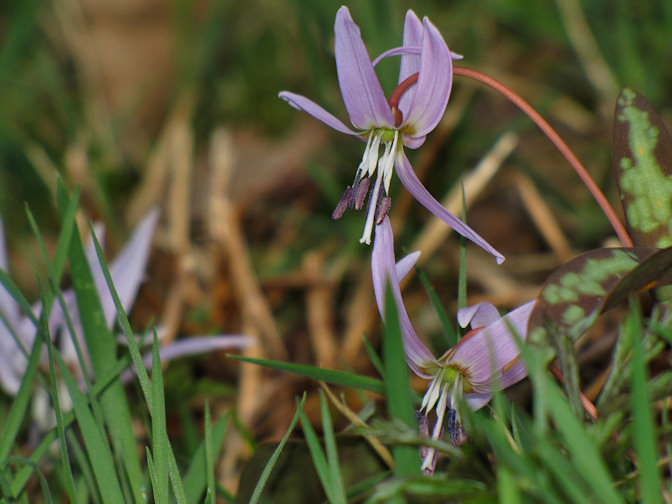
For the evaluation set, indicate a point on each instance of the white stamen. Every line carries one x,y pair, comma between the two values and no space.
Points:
364,164
438,426
389,163
373,153
371,210
432,394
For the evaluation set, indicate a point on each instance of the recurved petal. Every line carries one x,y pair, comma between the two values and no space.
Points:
413,142
406,264
413,31
302,103
479,315
434,83
127,269
363,96
198,345
413,185
8,305
383,269
488,352
477,400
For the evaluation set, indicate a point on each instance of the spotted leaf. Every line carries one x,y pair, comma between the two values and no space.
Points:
576,293
642,160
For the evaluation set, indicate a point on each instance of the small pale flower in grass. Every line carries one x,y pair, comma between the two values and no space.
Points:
414,109
486,359
17,332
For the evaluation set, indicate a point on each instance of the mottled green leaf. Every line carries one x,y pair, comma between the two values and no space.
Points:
575,294
573,297
642,160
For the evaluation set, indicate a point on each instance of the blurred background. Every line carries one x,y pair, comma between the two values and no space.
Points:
174,104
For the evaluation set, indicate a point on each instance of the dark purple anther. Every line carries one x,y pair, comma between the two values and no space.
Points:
456,433
342,204
360,193
382,208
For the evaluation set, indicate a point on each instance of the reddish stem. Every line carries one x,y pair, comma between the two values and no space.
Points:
559,144
396,96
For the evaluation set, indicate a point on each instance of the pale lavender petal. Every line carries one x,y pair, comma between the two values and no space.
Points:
398,51
413,185
401,51
476,401
363,96
302,103
406,264
198,345
434,83
479,315
383,269
191,346
413,142
8,305
128,268
10,360
516,372
410,63
493,345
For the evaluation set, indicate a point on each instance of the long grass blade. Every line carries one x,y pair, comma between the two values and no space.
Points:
643,428
317,454
211,490
195,480
332,376
102,347
335,478
159,434
97,448
266,473
397,388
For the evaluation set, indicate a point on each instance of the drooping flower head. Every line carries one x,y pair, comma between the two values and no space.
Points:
485,359
412,111
17,331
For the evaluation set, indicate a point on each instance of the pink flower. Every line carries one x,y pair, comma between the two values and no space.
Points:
413,110
486,358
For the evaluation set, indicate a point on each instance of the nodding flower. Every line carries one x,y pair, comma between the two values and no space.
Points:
486,359
18,331
413,110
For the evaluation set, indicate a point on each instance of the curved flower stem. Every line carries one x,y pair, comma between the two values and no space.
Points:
559,144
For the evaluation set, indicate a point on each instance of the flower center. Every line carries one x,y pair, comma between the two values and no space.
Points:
379,202
443,395
373,162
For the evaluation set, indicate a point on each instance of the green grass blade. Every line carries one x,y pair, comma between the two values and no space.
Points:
317,454
375,359
133,348
266,473
175,478
152,472
332,376
397,388
211,490
84,467
24,474
35,468
643,428
53,389
584,453
335,478
97,448
447,327
20,403
159,433
195,480
102,347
